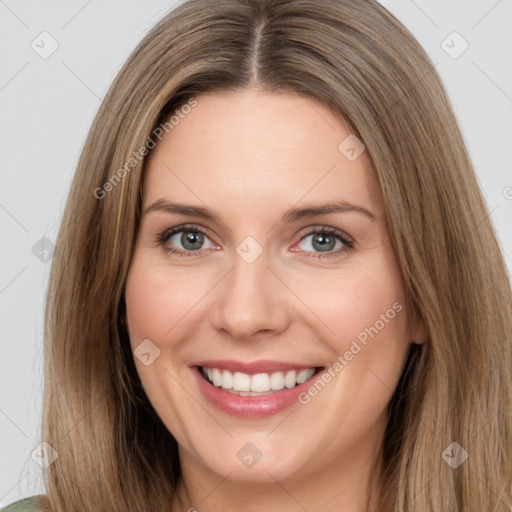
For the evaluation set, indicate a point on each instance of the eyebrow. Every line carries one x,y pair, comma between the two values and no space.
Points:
294,214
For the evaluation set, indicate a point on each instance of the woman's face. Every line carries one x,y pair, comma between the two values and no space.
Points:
260,284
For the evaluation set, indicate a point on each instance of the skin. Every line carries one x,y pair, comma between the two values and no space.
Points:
250,156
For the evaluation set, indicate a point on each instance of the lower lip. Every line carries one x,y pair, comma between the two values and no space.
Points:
249,406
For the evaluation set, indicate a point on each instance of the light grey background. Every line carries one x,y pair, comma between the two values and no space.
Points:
47,106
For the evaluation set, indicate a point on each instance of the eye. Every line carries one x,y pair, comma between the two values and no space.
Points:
185,240
322,242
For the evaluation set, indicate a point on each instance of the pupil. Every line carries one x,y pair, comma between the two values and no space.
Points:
191,240
326,242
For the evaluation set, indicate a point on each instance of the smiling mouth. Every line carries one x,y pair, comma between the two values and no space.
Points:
258,384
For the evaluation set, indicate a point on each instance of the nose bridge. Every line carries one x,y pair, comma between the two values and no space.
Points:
249,302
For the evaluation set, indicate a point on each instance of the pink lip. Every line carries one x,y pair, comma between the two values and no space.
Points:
252,367
249,406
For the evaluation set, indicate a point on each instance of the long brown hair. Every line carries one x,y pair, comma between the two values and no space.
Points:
114,453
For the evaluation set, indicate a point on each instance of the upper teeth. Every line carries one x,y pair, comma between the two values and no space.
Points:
259,382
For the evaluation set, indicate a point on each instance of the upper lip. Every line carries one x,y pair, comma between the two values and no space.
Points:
252,367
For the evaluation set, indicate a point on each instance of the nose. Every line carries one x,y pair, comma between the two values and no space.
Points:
251,300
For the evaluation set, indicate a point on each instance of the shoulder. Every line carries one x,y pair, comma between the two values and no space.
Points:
24,505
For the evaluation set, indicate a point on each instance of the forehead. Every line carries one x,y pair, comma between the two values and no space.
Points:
258,150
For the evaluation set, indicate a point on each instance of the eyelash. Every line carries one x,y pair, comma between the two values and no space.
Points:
347,241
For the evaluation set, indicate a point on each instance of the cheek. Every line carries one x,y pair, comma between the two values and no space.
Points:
367,314
156,301
158,307
366,318
357,303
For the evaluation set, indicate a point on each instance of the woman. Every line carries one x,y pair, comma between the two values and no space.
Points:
276,285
